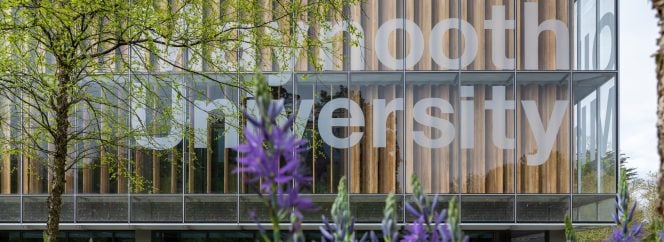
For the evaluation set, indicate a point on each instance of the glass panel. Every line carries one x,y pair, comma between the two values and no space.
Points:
544,133
157,157
101,209
323,205
210,208
593,208
252,209
432,36
10,126
282,90
11,207
213,116
100,170
488,35
543,39
538,209
595,35
487,132
487,208
432,150
306,127
35,209
369,208
382,39
595,131
376,163
156,208
328,157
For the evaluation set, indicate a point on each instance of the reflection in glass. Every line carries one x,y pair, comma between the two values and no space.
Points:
432,150
383,45
543,133
213,117
493,25
328,157
593,208
595,35
595,133
487,133
541,208
543,39
376,158
437,48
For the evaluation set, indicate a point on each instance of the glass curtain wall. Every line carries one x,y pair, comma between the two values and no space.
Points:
509,105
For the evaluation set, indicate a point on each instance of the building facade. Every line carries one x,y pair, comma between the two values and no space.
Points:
508,105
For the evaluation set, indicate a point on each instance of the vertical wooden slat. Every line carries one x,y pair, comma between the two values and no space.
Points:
369,160
138,167
562,142
370,25
509,162
530,175
442,159
121,169
441,11
388,160
104,178
6,169
355,153
410,158
156,174
547,47
423,154
422,11
474,12
478,165
548,170
494,156
174,167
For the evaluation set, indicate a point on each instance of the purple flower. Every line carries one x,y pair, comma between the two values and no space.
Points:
625,229
271,156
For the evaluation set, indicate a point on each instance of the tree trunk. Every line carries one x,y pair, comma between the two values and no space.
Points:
658,5
61,109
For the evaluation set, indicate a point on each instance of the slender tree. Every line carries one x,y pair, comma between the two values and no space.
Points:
69,69
658,5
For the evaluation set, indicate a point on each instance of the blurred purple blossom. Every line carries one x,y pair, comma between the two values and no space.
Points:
271,157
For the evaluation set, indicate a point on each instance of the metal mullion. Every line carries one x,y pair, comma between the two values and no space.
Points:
570,92
458,88
515,94
403,113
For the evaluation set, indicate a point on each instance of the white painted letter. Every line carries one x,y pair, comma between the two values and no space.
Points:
544,138
326,122
421,116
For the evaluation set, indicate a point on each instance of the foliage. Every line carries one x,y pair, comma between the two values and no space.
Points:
342,226
389,225
430,223
570,234
624,230
271,156
65,64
